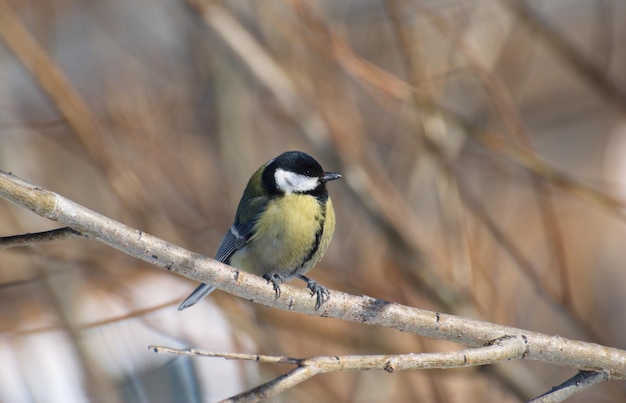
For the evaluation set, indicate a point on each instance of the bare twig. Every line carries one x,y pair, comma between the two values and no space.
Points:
576,384
58,234
504,349
276,386
265,359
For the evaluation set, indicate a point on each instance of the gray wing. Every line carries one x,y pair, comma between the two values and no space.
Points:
231,243
235,239
242,230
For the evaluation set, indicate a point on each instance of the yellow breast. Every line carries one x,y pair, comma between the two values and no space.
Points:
290,237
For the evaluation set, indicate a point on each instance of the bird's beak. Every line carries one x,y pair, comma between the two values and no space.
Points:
330,176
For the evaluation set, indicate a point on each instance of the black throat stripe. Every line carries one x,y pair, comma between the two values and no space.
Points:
318,238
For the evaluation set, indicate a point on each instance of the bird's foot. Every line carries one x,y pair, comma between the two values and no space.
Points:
276,281
316,289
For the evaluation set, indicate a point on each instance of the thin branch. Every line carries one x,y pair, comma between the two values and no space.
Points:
275,386
576,384
504,349
37,238
264,359
361,309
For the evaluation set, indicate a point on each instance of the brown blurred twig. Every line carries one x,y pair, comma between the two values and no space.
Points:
521,151
53,81
396,88
432,134
585,66
502,101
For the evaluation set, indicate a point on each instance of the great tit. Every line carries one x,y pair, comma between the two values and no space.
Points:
284,223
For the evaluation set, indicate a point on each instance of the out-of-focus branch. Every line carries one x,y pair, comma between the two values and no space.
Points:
51,79
434,141
503,102
394,87
587,68
265,69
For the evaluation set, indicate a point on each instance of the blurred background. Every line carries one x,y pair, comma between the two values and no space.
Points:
483,148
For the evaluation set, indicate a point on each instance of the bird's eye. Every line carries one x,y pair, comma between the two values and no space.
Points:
309,172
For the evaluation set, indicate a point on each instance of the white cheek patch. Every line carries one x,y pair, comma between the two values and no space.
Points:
291,182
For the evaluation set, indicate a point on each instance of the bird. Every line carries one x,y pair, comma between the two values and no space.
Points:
283,225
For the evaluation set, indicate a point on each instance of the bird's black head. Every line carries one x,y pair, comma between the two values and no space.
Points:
297,172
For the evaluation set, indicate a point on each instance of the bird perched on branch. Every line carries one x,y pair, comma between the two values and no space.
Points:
283,225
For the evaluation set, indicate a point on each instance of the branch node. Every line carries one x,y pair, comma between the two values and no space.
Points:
390,366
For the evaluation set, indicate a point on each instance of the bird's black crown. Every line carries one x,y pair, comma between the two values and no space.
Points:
299,163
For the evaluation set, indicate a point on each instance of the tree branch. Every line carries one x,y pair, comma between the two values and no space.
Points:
58,234
578,383
361,309
504,349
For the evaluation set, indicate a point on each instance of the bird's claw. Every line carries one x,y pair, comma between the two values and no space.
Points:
321,292
318,290
276,281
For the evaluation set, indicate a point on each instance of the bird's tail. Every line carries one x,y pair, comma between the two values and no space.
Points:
202,291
